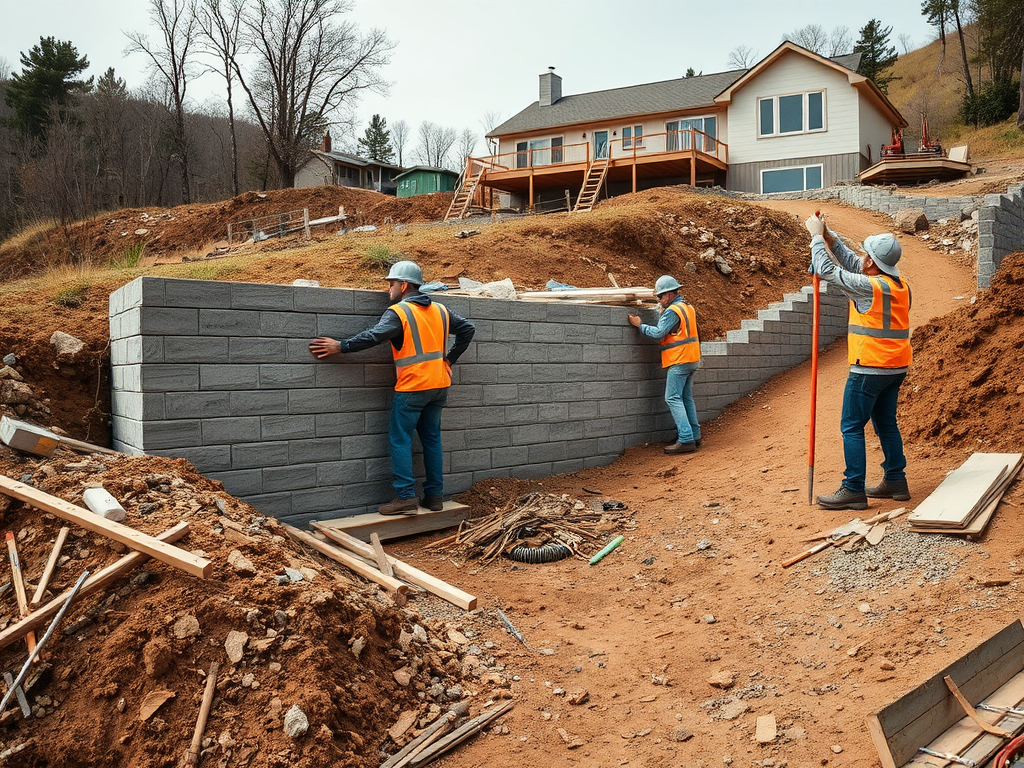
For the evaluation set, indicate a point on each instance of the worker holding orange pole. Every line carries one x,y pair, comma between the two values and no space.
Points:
879,355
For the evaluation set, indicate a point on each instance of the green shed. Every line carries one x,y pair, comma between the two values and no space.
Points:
423,179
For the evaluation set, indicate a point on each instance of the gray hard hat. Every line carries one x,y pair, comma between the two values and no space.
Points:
664,284
885,250
409,271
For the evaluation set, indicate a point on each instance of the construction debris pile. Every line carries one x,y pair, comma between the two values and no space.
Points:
315,665
537,528
977,349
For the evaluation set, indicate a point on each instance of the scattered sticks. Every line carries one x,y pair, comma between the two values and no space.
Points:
192,755
51,565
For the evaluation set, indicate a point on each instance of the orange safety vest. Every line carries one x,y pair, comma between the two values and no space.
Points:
683,346
880,337
420,362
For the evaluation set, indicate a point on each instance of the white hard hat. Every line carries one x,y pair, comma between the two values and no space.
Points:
885,250
664,284
409,271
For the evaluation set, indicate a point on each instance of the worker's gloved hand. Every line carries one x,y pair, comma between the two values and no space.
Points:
815,226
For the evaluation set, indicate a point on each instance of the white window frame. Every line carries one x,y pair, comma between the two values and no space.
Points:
819,166
806,114
639,139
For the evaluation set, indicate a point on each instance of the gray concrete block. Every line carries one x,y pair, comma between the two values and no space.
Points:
531,434
196,405
240,482
314,450
382,375
127,432
208,458
547,333
343,373
167,321
370,302
499,437
567,392
288,325
227,322
319,400
246,455
289,478
262,296
277,505
600,460
549,373
489,309
340,473
212,376
328,300
297,427
179,433
512,374
286,376
369,494
530,311
196,293
258,349
363,446
546,452
169,378
137,406
611,445
478,374
245,429
378,468
194,349
312,503
257,403
339,424
528,471
566,430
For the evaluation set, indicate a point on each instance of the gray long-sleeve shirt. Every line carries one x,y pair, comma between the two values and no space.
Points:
848,278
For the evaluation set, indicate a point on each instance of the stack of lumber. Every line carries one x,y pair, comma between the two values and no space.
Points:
591,295
535,516
966,500
372,563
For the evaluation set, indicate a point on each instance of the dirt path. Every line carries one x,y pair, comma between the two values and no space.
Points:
818,646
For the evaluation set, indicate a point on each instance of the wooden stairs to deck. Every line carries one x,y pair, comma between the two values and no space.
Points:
464,195
592,183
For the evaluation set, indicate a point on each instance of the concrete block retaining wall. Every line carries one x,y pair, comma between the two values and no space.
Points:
1000,217
220,374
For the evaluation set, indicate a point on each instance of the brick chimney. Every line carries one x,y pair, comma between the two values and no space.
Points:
550,88
325,145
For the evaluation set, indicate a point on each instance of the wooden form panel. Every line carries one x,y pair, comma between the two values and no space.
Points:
396,526
919,717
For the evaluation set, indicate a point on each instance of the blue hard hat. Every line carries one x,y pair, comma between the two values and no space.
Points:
664,284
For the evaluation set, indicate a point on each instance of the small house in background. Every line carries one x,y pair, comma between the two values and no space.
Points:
423,179
341,169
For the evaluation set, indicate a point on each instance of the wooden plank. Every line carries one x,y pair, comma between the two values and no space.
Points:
84,447
981,521
397,588
396,526
381,555
141,542
51,565
956,498
403,570
920,716
41,616
18,580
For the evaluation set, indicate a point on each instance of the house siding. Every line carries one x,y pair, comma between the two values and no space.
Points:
794,73
315,173
875,130
746,177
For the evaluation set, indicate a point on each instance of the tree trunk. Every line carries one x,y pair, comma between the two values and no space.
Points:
963,52
234,140
1020,112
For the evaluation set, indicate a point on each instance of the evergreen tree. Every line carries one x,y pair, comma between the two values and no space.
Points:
47,79
376,141
111,85
690,72
876,53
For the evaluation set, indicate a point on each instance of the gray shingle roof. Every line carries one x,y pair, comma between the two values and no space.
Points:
650,98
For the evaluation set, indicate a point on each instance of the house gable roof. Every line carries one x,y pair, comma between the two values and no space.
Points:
426,169
846,65
354,160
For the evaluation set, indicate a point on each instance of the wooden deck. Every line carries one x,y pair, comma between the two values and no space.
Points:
913,168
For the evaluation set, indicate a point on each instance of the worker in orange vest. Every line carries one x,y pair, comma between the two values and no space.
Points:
680,355
418,329
879,355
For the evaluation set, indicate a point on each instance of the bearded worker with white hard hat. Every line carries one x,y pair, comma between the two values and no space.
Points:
680,355
879,356
418,329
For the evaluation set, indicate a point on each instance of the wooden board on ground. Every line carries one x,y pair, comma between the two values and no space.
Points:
396,526
923,715
960,496
977,526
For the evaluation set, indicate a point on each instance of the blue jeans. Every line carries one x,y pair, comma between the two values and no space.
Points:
871,397
419,412
679,397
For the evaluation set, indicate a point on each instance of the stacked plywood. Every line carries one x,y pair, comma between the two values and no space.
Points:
965,501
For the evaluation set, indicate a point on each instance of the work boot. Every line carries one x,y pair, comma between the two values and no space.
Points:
433,503
844,498
890,489
697,442
399,506
681,448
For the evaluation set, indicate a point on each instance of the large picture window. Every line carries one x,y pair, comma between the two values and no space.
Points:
539,152
633,135
793,113
678,134
797,179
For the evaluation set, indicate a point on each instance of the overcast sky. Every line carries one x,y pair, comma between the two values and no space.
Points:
457,60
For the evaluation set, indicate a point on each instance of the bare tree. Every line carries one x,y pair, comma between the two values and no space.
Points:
954,7
907,42
220,23
171,60
491,120
399,139
840,41
467,142
812,37
435,143
742,57
309,64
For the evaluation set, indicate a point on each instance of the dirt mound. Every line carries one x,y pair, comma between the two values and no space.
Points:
340,651
966,385
189,228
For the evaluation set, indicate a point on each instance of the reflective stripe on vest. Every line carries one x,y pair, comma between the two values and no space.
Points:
880,337
683,346
420,361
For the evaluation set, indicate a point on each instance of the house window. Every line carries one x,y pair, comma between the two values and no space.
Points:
633,135
522,155
796,179
678,134
539,152
794,113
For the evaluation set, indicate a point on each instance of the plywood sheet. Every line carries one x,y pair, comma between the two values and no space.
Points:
396,526
959,497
